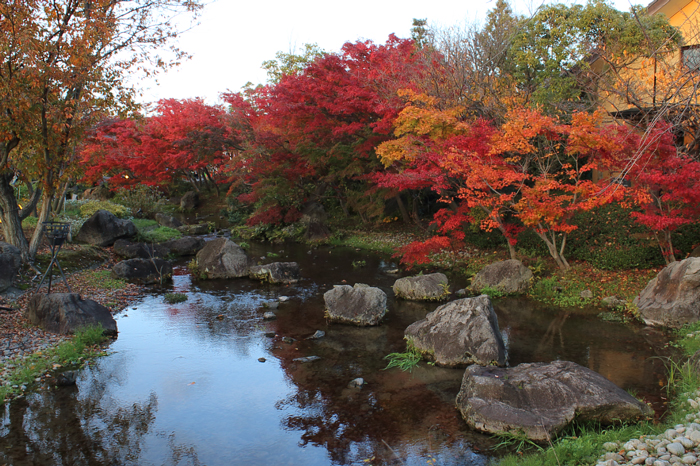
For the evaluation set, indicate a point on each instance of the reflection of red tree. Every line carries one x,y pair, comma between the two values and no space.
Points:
407,411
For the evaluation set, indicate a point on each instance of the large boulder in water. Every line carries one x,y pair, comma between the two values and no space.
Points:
359,305
509,276
222,258
189,201
459,333
277,272
144,271
185,246
315,219
672,298
104,228
129,250
431,287
540,399
10,263
67,312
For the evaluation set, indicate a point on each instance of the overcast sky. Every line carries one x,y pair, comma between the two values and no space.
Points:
234,37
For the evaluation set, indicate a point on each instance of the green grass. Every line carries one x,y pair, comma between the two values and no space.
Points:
144,223
174,298
493,292
24,371
101,279
89,208
159,235
30,222
405,361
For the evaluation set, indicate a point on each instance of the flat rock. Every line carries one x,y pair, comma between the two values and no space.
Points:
306,359
198,229
65,313
672,298
222,258
104,228
509,276
185,246
277,272
459,333
144,271
431,287
318,334
359,305
540,399
129,250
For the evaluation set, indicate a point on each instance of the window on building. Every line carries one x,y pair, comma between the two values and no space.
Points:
690,54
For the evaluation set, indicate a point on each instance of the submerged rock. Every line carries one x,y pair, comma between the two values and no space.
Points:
459,333
356,383
306,359
539,399
672,298
317,335
431,287
269,316
509,276
65,313
359,305
277,272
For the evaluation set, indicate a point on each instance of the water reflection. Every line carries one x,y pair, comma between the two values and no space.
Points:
185,385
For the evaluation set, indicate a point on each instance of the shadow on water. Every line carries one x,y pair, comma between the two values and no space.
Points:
208,381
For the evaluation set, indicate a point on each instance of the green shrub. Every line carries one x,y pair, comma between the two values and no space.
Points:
144,224
89,208
160,235
30,222
493,292
144,201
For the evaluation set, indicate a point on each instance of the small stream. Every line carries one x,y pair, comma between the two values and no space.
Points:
209,382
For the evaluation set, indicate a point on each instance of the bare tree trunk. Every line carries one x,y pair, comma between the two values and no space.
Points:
61,198
31,206
557,255
39,231
402,208
9,211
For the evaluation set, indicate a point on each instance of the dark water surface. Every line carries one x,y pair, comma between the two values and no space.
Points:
184,385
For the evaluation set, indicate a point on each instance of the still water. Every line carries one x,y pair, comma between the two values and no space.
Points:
209,382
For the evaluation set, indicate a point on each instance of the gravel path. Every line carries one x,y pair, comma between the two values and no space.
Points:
679,445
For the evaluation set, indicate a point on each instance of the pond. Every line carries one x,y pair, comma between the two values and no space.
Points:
209,382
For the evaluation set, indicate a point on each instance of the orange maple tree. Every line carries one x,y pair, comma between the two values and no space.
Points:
528,173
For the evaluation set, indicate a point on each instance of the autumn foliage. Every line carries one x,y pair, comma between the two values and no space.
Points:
184,139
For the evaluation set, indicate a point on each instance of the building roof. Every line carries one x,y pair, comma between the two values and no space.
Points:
667,7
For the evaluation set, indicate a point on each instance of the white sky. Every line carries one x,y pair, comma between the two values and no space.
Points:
234,37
